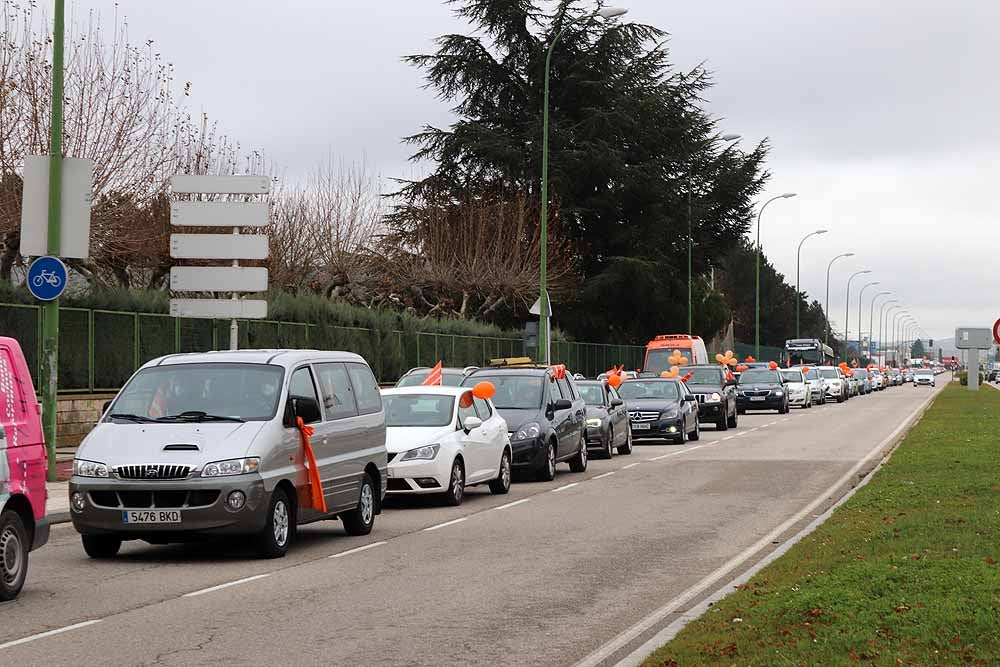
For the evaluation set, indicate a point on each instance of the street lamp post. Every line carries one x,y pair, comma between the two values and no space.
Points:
861,323
756,345
893,305
544,337
871,321
726,138
847,311
798,289
829,266
895,340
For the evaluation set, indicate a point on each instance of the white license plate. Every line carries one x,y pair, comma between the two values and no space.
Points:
758,398
151,516
641,427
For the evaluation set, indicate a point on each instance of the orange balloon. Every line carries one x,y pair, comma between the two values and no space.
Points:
615,380
683,361
466,400
805,369
484,390
742,368
773,365
750,360
721,358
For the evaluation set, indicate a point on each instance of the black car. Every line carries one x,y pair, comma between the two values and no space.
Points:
761,389
716,395
661,408
545,417
607,418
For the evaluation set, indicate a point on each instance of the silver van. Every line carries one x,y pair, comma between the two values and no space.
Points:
209,443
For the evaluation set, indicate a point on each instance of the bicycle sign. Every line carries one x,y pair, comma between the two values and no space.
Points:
47,278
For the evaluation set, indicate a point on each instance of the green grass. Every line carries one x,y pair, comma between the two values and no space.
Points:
907,572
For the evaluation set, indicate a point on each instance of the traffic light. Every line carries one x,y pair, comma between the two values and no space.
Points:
930,343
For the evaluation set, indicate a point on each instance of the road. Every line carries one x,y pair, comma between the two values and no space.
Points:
544,576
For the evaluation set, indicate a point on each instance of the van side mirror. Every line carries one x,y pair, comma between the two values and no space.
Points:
304,407
471,423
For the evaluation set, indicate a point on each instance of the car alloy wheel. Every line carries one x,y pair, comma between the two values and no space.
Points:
551,462
609,447
456,485
280,523
367,504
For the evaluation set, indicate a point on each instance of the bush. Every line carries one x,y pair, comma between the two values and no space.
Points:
963,378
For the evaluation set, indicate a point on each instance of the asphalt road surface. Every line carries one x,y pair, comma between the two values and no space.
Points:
552,574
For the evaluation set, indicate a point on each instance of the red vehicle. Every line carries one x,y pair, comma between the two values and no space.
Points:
23,466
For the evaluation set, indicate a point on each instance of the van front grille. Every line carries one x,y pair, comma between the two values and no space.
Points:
158,498
153,472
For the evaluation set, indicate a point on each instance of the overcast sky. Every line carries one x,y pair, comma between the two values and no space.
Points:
882,115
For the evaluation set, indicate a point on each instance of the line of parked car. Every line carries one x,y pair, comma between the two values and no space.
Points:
256,443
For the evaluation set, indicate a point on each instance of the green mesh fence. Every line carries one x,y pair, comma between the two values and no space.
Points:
767,353
100,349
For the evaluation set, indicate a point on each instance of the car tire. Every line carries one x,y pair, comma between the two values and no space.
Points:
681,438
13,554
626,449
695,435
361,519
547,472
501,485
722,424
733,422
456,484
579,462
741,411
279,526
609,447
101,547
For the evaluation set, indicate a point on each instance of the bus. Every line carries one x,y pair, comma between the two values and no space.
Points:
808,352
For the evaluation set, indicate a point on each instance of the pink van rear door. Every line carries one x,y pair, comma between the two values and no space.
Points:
24,465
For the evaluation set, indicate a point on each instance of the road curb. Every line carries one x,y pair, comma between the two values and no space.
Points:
696,600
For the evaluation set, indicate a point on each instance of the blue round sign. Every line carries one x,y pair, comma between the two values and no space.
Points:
47,278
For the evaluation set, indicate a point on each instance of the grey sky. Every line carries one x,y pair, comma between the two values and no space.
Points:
881,115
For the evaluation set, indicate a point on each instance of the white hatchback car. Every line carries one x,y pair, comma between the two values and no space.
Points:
443,439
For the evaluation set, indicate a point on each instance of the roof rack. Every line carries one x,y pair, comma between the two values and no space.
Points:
520,362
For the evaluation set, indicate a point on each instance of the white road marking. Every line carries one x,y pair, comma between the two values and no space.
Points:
664,456
631,465
354,551
728,437
754,429
607,474
445,524
564,487
516,502
786,419
49,633
772,423
226,585
657,616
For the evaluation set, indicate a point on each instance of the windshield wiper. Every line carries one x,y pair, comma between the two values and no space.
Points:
199,416
130,417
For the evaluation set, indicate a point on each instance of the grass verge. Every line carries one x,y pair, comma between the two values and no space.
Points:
907,572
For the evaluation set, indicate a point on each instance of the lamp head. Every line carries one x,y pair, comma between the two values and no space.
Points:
611,12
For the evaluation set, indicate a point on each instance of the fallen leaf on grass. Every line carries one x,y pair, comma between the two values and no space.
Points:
902,608
989,560
815,612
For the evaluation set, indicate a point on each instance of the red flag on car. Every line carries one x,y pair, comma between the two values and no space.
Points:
433,378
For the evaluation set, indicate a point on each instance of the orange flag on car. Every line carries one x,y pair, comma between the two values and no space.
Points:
316,498
433,378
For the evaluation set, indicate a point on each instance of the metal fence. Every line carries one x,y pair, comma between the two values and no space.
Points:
99,349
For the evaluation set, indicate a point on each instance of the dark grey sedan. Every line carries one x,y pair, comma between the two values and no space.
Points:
607,419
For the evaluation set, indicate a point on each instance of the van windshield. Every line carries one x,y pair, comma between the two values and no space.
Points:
248,392
658,360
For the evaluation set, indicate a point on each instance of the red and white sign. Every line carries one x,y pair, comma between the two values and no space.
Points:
996,331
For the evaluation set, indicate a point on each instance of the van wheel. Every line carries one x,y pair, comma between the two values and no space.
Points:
279,526
547,472
456,484
101,547
359,521
13,555
501,484
579,462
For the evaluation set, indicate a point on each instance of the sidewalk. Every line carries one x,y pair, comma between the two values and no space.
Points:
57,503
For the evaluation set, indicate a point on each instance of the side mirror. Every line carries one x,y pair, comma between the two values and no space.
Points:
471,423
306,408
562,404
690,398
617,402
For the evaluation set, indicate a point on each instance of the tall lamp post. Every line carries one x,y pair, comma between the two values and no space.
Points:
544,337
895,339
798,288
893,304
847,311
727,138
861,323
871,321
756,310
829,266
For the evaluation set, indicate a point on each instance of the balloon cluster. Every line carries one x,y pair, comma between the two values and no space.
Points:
672,373
677,360
750,359
773,365
726,359
741,368
845,369
615,376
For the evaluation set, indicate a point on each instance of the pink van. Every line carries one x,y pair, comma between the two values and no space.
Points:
23,466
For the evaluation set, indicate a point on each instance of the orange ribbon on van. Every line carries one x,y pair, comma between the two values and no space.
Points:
317,500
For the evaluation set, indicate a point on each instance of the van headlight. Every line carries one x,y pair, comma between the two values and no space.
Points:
715,397
230,467
427,452
90,468
594,422
528,432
